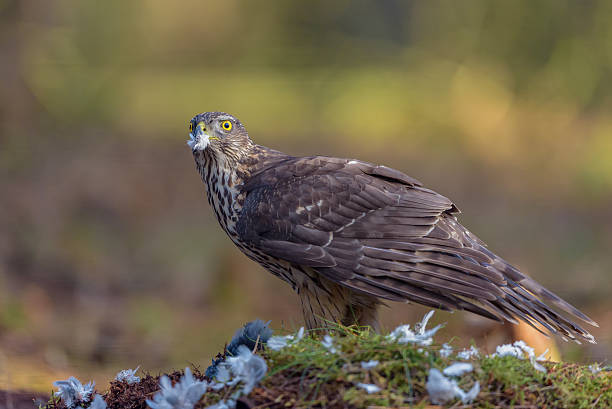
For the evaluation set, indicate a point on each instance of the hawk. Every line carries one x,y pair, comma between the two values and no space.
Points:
347,235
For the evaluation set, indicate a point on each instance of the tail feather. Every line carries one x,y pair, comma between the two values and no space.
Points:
536,288
528,300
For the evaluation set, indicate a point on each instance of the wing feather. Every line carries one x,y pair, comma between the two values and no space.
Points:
308,255
378,231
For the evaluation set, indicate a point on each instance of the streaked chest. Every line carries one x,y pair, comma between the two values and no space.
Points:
223,192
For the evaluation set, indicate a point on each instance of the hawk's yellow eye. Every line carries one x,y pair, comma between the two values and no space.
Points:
226,125
190,126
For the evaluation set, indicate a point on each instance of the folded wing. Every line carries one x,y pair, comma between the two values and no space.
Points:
378,231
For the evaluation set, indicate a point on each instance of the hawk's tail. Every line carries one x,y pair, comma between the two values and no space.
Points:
523,297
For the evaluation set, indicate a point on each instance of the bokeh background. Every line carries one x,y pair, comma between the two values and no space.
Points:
109,254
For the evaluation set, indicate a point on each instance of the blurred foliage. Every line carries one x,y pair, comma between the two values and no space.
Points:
511,81
109,255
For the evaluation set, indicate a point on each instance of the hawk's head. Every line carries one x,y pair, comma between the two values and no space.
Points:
219,133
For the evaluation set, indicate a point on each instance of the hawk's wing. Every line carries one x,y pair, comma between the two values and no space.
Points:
378,231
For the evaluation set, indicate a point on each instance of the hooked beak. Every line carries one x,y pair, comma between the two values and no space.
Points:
199,138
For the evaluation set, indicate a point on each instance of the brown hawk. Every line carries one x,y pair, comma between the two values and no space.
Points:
347,234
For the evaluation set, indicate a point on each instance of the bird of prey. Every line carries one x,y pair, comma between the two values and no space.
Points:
347,235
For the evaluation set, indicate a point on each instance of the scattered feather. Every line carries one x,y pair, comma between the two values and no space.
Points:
442,389
458,369
369,387
446,350
183,395
538,367
72,392
279,342
420,336
223,378
508,350
128,375
595,368
249,334
523,345
328,343
470,396
247,368
223,374
217,386
369,364
420,326
471,352
542,356
98,402
300,334
252,333
519,349
213,368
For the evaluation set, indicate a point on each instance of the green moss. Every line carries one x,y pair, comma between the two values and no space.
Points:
306,374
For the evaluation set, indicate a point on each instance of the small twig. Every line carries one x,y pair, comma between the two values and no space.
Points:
256,343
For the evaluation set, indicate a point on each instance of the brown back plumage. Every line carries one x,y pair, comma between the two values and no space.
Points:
378,231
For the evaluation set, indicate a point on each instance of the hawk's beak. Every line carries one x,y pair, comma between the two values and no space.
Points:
199,138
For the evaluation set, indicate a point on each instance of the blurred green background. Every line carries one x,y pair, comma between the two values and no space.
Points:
109,254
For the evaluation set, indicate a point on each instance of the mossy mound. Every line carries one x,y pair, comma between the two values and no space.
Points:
306,373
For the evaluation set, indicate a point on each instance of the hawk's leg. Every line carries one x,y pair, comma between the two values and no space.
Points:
325,302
